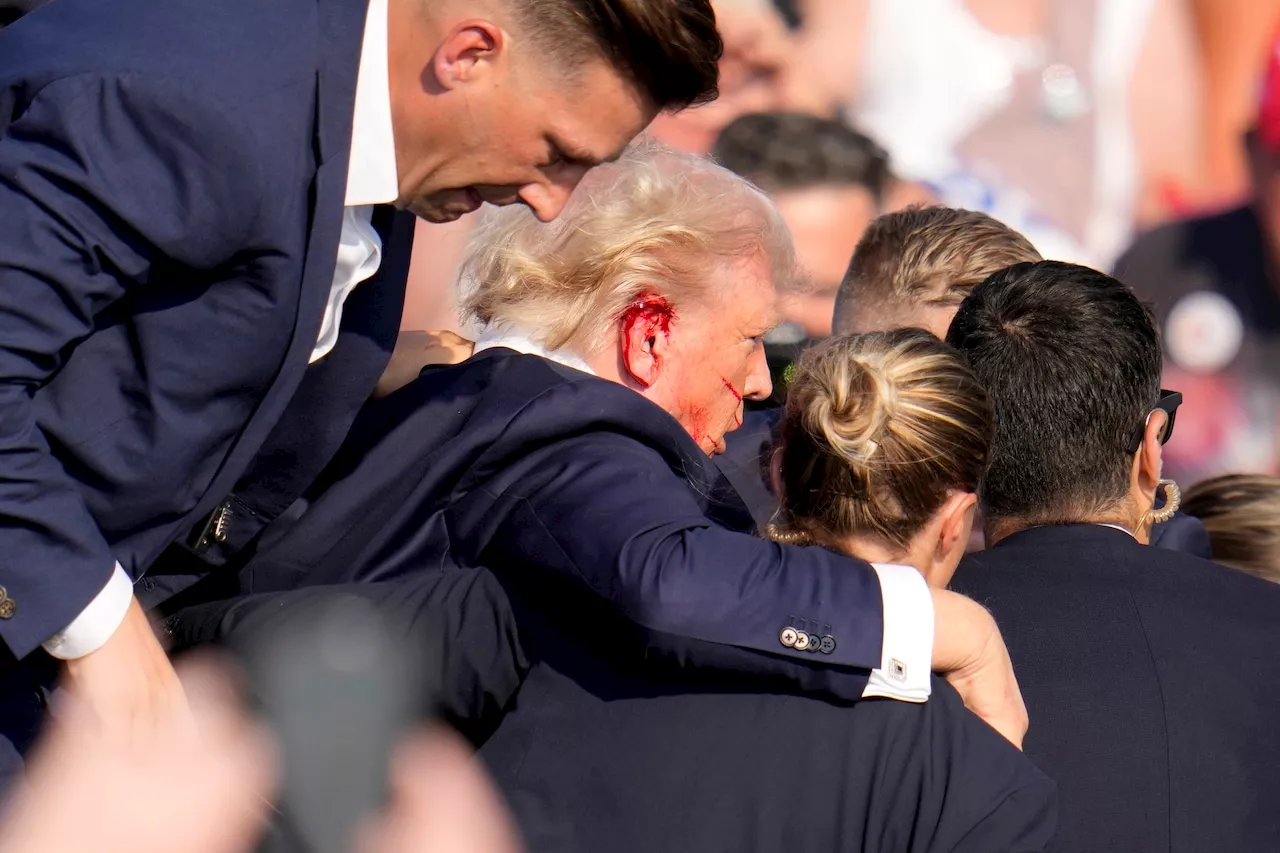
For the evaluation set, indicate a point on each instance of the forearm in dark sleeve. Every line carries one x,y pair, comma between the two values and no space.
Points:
630,531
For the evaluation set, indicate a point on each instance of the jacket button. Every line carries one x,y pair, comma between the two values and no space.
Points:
7,604
788,637
802,641
828,644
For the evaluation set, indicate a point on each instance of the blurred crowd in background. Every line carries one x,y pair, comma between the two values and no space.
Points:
1134,136
1098,129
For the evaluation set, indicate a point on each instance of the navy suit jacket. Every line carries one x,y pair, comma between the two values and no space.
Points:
171,190
1152,679
594,755
538,471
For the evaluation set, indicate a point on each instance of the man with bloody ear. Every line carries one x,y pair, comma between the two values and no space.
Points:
570,459
572,453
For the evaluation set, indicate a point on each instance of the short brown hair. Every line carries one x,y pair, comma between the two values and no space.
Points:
669,48
878,430
1242,514
927,254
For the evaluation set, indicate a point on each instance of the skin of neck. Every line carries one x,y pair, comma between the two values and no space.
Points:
1126,513
928,552
1132,511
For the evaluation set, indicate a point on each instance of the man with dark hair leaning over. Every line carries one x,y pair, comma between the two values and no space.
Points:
1151,675
206,214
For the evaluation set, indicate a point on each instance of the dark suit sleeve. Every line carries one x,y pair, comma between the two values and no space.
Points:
101,179
979,792
456,626
1023,822
607,512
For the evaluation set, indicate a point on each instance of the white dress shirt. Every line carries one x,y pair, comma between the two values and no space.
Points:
906,652
523,343
371,179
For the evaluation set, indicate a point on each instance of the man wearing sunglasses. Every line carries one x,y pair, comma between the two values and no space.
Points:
1150,675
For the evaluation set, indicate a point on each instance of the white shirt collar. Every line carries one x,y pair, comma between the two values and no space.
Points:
371,175
513,339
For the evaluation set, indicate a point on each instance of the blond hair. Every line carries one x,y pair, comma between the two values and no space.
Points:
1242,514
650,224
926,254
878,430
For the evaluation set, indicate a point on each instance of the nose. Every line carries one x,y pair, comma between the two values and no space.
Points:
759,383
547,200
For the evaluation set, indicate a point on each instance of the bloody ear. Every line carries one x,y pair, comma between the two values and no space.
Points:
644,330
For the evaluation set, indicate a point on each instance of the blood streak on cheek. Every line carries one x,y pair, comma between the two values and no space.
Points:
737,415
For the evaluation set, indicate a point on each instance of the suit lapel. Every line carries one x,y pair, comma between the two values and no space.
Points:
341,32
341,24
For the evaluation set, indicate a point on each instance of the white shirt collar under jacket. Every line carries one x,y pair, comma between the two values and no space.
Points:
520,342
371,175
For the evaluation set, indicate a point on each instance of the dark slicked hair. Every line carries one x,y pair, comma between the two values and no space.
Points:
670,49
781,151
1071,361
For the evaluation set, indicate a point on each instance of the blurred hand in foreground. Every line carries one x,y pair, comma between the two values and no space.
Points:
441,801
198,782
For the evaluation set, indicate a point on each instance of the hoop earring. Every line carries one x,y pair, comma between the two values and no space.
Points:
1172,500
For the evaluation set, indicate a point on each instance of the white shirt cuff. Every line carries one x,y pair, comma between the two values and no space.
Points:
906,654
97,622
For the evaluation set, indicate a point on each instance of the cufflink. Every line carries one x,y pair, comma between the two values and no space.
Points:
897,670
828,644
788,637
802,641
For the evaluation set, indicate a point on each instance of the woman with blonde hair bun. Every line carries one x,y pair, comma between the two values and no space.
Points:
882,449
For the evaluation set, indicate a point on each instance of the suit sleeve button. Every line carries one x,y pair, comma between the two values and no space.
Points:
802,641
828,644
788,637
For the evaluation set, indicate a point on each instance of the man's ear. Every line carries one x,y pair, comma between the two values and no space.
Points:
645,337
467,53
1149,462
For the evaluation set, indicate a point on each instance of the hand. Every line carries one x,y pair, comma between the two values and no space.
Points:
128,684
970,653
441,801
416,350
198,783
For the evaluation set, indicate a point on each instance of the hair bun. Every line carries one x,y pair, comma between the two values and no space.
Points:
878,430
851,405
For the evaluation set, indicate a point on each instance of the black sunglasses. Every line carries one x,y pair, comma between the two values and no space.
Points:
1168,403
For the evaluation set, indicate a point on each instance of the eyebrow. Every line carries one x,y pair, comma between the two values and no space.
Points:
768,326
582,157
